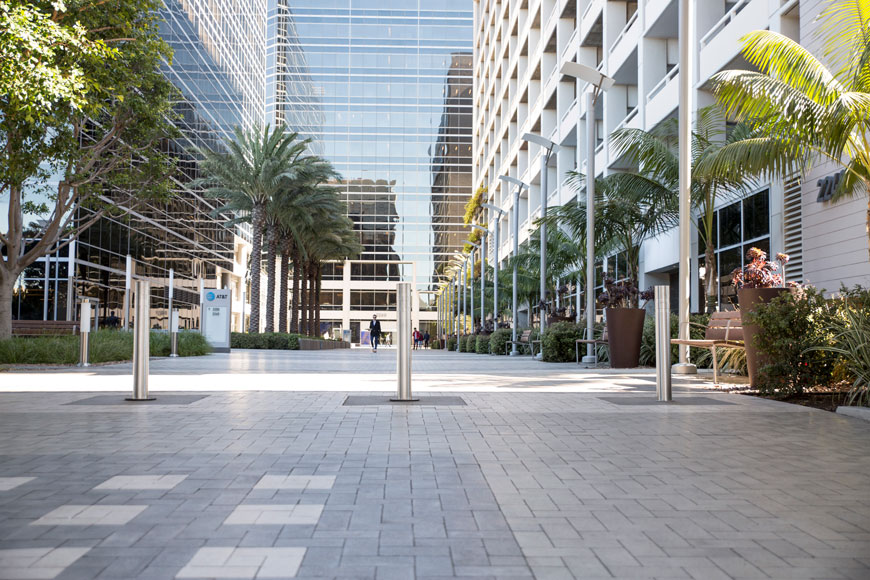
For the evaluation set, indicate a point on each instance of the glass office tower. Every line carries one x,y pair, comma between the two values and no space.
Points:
384,89
218,67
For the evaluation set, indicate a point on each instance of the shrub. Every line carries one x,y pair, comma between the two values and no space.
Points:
469,343
792,328
482,345
451,343
498,339
105,346
435,344
850,332
265,340
559,341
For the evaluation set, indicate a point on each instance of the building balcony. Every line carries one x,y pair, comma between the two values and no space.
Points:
722,43
663,98
592,13
654,11
626,43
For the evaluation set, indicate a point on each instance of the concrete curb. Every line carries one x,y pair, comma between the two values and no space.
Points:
857,412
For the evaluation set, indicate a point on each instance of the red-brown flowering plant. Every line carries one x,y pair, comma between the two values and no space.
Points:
623,294
759,272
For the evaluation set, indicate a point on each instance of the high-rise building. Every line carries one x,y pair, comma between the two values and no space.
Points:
519,48
383,88
218,67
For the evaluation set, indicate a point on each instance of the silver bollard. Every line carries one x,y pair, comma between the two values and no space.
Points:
84,333
663,343
141,342
403,342
173,334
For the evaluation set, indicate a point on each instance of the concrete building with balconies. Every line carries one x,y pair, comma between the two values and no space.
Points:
519,47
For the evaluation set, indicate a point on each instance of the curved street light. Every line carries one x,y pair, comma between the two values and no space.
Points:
508,180
473,248
599,83
549,148
494,209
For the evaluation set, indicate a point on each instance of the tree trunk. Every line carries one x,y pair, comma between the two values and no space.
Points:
285,277
257,221
312,276
271,256
318,279
303,300
710,276
294,306
7,284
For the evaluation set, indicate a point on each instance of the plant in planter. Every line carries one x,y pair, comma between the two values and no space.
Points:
624,320
757,283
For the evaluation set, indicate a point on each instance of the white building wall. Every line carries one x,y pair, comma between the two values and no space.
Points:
519,48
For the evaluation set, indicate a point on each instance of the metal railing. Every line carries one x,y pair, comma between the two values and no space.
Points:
625,29
663,83
724,21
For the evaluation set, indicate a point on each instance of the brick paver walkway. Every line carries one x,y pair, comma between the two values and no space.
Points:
528,482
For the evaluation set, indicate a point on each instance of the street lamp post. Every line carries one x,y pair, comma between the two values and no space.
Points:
600,82
549,148
516,234
484,234
495,248
473,248
687,69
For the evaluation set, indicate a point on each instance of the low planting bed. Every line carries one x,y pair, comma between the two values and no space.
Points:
105,346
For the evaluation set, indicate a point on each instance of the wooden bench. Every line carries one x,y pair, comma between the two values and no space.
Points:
594,342
44,327
523,341
725,330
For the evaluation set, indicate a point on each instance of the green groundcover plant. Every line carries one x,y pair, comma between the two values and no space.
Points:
105,346
265,340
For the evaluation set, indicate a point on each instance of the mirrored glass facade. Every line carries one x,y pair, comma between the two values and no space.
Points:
218,66
383,87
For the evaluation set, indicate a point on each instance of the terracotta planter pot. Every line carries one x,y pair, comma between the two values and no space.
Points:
749,299
624,331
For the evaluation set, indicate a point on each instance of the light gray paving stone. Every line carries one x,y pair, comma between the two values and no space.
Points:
37,563
245,563
275,514
90,515
10,483
141,482
301,482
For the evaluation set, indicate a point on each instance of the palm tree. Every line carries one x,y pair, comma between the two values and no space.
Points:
655,154
803,111
627,212
246,178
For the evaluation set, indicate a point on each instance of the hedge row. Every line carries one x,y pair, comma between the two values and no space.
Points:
265,340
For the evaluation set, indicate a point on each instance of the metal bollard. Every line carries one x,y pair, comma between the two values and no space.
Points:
663,343
142,342
173,334
84,333
403,344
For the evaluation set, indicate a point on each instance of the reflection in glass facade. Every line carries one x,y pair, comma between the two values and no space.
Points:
219,68
384,89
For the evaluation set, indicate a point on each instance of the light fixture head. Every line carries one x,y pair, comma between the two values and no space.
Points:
542,141
481,228
513,181
492,207
470,243
591,75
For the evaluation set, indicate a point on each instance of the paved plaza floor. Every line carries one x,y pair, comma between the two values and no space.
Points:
295,465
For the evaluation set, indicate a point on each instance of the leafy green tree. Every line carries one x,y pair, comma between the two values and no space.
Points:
84,109
804,111
255,167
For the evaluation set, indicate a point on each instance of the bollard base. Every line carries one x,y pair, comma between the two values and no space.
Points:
684,369
145,399
173,356
80,365
395,400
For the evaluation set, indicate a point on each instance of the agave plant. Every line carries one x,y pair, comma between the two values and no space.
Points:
851,330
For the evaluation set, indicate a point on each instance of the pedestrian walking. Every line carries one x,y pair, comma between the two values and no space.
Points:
426,338
375,332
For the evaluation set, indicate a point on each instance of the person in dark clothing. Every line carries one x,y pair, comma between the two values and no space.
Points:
426,338
375,332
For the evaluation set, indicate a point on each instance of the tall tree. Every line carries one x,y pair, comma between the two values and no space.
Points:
246,177
804,111
83,111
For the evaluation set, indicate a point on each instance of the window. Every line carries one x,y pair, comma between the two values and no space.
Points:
330,299
736,228
373,299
